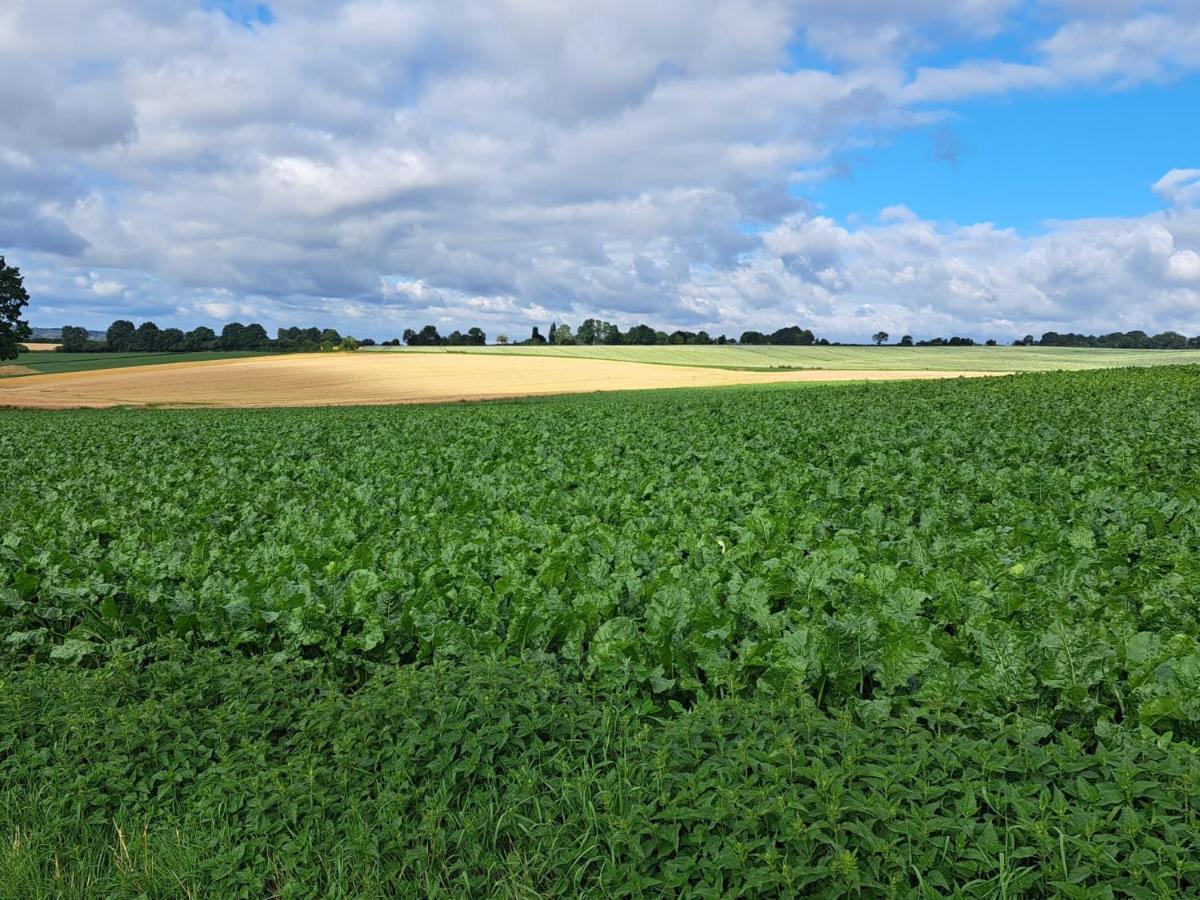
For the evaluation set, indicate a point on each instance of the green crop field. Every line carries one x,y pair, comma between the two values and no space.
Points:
52,361
940,359
906,639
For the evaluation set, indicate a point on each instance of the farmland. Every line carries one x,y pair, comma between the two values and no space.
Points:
895,639
340,379
888,358
49,363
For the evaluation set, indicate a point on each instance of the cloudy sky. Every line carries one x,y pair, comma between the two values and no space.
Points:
982,167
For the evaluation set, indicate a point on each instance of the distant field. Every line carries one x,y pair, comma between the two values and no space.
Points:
52,363
352,379
39,346
939,359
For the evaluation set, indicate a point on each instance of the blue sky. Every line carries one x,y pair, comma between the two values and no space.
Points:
1019,161
990,167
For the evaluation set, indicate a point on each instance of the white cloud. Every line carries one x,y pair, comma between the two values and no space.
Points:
1179,187
510,160
1184,266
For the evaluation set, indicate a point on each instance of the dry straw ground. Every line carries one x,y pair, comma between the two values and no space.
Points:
40,347
362,379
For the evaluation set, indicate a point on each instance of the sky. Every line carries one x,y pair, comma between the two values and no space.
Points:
988,168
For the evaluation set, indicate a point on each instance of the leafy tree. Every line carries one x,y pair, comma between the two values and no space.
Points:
563,334
255,337
426,337
75,339
146,337
502,339
1169,340
456,338
595,331
121,336
13,299
880,337
536,337
331,336
640,334
200,338
589,332
752,337
792,335
349,343
171,340
233,336
476,336
553,329
991,342
906,341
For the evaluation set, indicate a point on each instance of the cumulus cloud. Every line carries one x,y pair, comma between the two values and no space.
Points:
378,165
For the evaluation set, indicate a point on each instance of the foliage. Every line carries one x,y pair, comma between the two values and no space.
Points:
169,773
911,638
1122,340
13,299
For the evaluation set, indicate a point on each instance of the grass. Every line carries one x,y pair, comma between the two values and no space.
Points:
939,359
52,362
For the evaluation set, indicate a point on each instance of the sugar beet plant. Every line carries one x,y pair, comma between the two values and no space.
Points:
874,640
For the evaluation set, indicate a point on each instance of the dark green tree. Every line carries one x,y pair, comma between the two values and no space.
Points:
255,337
13,299
880,337
640,334
233,336
75,339
906,341
792,335
201,338
121,336
147,337
171,340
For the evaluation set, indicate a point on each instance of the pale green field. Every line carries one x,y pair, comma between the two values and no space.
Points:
941,359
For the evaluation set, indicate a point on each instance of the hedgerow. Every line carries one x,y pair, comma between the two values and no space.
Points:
906,638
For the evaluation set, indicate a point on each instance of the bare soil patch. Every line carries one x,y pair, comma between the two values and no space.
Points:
345,379
16,370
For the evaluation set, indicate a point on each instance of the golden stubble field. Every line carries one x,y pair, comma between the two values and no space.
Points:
345,379
36,347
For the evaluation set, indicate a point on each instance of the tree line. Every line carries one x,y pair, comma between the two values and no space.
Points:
1118,340
123,337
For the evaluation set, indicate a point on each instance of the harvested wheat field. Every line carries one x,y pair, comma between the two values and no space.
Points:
39,347
365,379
